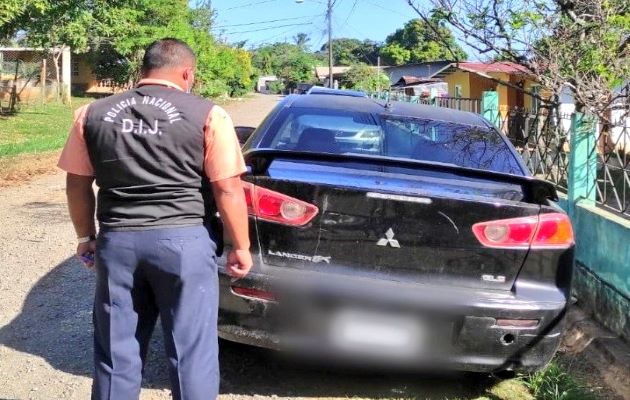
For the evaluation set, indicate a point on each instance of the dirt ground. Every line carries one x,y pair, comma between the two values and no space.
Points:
46,300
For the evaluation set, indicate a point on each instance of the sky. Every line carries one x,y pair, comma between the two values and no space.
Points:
270,21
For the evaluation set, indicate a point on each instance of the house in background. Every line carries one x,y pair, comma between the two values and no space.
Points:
468,80
84,81
262,85
418,70
423,87
322,73
28,74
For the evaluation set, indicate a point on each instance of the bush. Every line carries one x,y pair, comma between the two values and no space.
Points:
223,70
365,78
276,87
213,88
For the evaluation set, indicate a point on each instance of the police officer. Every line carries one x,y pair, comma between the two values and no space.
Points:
157,154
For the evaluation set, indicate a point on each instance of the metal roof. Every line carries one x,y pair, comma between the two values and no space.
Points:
23,49
415,80
483,69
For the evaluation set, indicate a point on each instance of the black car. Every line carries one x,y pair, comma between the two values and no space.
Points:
399,234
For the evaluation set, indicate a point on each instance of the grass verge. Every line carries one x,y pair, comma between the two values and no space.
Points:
555,383
37,128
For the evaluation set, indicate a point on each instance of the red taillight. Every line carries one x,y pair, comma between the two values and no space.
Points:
544,231
253,293
277,207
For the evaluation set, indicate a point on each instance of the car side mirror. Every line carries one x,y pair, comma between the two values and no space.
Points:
243,133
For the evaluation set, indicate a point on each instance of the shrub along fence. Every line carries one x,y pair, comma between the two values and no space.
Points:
589,163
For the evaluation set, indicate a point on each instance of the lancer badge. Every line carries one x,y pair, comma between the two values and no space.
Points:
388,240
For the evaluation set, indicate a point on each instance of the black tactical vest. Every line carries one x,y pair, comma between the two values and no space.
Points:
147,149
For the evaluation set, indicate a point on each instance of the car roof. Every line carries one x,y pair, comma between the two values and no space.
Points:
335,92
395,108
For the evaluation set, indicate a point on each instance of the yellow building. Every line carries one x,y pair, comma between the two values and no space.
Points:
85,81
469,80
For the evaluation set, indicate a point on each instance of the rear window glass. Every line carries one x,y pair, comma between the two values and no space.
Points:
339,132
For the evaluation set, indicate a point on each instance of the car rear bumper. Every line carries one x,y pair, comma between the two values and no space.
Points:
462,326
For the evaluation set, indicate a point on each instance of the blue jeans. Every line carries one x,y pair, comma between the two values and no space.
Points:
140,275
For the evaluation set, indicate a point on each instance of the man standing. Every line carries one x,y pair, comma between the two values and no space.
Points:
157,154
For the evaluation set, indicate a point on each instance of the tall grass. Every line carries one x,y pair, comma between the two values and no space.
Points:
554,383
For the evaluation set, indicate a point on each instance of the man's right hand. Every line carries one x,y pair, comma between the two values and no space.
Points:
239,262
85,253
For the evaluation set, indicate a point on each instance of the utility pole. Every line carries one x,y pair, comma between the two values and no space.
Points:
330,50
378,73
331,79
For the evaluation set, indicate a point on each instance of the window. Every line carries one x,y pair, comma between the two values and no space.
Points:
75,67
437,141
535,100
458,91
350,132
327,131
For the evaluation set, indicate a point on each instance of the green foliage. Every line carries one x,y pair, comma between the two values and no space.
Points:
288,62
350,51
419,41
395,54
14,12
580,45
224,70
365,78
301,40
276,87
553,383
116,32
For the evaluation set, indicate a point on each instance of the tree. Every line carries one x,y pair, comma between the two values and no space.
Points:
116,32
14,12
364,77
287,61
578,44
420,41
301,40
55,25
350,51
395,54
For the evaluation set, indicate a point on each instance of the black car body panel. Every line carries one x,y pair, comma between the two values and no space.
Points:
393,235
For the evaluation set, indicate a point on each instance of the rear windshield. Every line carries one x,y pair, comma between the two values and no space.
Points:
339,132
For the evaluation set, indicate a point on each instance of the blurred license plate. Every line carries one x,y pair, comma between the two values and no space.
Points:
371,332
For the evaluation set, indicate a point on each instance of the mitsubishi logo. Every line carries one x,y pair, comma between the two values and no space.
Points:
389,240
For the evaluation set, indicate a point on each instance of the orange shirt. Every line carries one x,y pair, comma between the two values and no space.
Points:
222,152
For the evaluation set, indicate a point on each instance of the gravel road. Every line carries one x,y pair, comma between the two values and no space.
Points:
45,317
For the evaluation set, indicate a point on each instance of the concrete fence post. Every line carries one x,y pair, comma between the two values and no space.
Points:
490,107
582,173
66,75
433,94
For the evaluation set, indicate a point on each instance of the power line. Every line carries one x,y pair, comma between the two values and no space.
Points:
351,11
265,22
270,28
277,35
388,9
249,4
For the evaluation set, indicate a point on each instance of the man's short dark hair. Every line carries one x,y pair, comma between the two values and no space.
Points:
167,53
